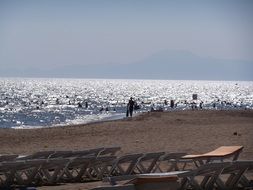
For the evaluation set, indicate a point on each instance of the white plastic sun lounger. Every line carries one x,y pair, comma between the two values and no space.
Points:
204,177
171,162
147,162
8,157
125,165
234,176
76,169
51,170
100,167
19,172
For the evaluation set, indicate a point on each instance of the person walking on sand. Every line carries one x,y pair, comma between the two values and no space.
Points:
131,107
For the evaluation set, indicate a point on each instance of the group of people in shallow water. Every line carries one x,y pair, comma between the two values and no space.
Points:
132,105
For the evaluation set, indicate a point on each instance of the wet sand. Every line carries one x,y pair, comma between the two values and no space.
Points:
178,131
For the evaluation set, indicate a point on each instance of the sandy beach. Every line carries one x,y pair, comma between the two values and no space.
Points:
189,131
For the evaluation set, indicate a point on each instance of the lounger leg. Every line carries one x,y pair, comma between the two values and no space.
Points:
235,180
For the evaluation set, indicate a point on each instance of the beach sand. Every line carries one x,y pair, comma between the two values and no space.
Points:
197,131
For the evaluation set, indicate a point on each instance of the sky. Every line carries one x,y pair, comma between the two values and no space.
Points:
39,34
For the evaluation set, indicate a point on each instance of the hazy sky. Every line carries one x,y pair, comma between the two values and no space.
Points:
61,32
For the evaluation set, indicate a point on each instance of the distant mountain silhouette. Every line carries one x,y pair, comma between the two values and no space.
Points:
186,65
171,65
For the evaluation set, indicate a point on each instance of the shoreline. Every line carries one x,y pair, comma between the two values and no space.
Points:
109,118
120,116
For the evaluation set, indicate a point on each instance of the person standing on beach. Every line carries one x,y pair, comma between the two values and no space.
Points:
131,107
172,104
127,111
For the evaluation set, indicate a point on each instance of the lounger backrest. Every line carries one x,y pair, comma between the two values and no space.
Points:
9,165
8,157
109,151
173,156
37,155
61,154
89,152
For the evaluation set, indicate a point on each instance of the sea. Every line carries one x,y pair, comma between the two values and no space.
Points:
46,102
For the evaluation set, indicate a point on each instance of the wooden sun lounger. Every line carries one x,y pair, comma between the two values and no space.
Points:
221,153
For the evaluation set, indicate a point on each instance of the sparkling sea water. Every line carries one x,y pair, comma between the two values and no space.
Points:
30,103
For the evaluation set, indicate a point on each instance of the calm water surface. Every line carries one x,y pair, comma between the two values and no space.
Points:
26,103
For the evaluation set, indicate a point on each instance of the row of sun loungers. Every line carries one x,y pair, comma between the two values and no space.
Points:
219,175
52,167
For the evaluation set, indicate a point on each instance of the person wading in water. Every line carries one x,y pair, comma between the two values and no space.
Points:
130,107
